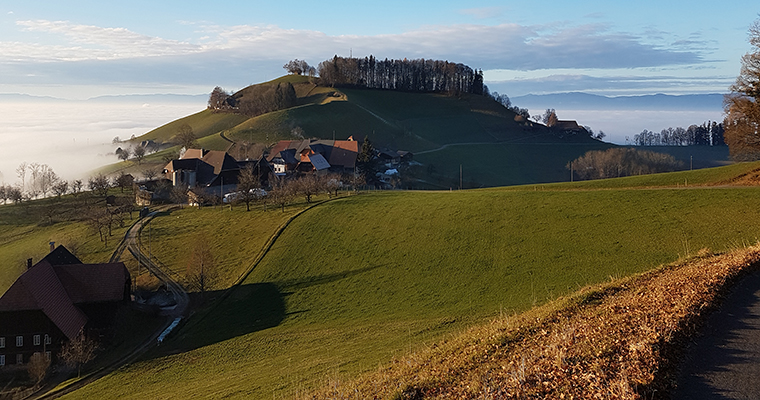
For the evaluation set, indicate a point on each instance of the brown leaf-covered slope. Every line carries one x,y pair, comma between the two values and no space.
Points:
618,340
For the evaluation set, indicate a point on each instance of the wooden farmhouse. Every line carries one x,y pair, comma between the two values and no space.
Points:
54,300
314,155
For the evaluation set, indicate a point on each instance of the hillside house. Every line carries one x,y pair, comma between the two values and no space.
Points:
314,155
212,171
55,299
569,126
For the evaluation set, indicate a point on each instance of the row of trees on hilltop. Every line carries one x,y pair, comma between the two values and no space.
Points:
707,134
404,75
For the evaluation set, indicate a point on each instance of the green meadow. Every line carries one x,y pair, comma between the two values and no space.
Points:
447,131
353,282
27,229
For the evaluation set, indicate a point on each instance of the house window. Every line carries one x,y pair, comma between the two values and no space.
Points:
2,360
47,339
19,358
36,340
19,341
2,342
48,355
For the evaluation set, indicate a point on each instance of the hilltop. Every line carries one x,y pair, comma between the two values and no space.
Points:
492,144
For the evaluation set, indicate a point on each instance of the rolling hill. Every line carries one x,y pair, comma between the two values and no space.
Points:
444,132
355,282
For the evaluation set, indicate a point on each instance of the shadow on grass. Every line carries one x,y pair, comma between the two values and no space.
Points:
246,309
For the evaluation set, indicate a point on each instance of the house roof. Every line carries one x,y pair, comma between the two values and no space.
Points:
61,256
40,289
220,160
337,153
55,289
93,283
567,125
319,162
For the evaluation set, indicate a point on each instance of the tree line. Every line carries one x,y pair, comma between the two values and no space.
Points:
618,162
419,75
707,134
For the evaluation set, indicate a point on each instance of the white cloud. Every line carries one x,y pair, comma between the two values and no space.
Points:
93,42
240,55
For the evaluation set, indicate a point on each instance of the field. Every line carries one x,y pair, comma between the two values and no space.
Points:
27,229
353,283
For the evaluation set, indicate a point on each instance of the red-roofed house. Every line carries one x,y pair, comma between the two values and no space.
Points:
54,300
314,155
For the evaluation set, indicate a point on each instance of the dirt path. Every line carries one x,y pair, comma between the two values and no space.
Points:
724,362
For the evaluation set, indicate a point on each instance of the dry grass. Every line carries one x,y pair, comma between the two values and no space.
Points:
619,340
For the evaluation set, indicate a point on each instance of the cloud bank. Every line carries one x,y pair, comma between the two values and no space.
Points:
238,55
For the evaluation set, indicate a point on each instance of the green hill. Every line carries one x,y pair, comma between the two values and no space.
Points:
355,282
443,131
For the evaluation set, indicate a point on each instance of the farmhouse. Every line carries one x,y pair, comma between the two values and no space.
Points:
212,171
568,126
54,300
314,155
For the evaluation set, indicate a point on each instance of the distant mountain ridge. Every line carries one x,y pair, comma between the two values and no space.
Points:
586,101
128,98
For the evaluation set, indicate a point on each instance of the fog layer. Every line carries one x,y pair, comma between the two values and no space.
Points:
74,138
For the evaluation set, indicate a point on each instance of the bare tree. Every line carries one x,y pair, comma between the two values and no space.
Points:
98,219
138,153
178,194
47,179
76,187
309,185
124,181
248,188
281,193
219,99
38,367
15,194
201,272
34,172
298,67
61,188
78,352
186,137
123,154
150,173
21,173
99,184
742,105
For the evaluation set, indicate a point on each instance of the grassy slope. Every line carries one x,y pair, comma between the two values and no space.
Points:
409,121
235,236
25,233
354,282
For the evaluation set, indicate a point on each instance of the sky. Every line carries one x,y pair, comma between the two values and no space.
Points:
79,50
82,49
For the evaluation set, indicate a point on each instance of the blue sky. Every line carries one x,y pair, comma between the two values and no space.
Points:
81,49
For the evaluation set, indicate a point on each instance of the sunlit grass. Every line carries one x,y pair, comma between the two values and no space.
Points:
353,282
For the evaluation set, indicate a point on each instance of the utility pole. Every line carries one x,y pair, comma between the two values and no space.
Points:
571,171
460,176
